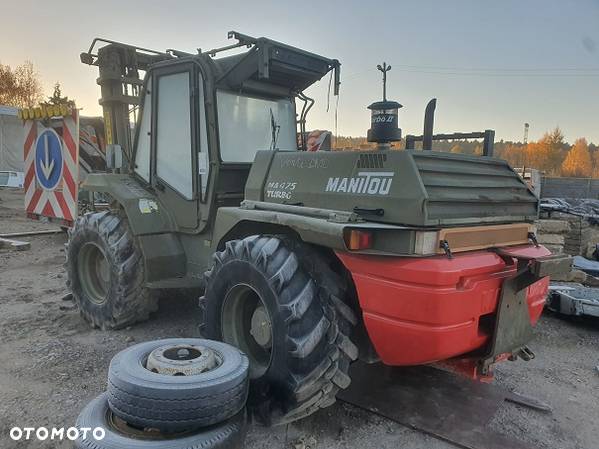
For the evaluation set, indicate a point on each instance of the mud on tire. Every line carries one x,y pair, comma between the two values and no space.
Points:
105,272
311,324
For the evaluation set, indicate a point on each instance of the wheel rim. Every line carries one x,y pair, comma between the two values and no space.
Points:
182,360
94,272
247,325
127,430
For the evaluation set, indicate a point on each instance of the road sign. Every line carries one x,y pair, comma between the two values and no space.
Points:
51,168
48,159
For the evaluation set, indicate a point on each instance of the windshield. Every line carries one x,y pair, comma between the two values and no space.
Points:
248,124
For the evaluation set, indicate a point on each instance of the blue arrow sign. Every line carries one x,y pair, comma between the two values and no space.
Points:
48,159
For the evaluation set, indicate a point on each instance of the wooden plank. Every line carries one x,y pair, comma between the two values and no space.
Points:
14,244
28,233
480,237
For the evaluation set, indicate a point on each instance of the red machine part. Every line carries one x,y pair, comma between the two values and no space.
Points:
424,310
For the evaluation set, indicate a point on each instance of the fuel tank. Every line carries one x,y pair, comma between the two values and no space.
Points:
409,188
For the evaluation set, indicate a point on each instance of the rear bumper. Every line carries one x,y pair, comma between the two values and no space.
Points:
423,310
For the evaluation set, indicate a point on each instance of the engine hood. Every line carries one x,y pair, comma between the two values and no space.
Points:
409,188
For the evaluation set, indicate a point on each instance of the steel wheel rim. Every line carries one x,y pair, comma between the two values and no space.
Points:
127,430
182,360
246,324
94,272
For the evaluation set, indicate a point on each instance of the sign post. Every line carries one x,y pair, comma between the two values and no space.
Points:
51,164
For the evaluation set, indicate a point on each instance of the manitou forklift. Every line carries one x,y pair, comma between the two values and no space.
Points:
307,260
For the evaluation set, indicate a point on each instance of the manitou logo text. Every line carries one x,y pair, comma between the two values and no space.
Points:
368,182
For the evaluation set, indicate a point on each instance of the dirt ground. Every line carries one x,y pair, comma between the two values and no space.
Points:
52,363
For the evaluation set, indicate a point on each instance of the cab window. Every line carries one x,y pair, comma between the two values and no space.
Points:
248,124
173,133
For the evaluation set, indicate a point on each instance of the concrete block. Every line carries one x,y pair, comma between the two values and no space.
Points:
555,249
572,276
552,239
552,226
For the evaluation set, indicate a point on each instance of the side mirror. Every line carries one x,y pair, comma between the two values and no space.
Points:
114,156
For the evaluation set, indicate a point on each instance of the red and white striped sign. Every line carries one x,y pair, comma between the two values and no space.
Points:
59,202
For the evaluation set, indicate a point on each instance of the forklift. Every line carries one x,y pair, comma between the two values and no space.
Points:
307,260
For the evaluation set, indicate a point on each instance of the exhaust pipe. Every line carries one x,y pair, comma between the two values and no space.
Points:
429,122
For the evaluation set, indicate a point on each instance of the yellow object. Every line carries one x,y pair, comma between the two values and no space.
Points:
45,111
108,128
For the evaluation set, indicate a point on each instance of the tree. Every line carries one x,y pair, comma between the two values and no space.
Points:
57,98
20,87
578,162
456,149
515,155
548,153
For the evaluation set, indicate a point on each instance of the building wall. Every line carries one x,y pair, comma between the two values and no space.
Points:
11,140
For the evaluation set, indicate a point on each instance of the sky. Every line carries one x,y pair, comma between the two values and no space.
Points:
491,65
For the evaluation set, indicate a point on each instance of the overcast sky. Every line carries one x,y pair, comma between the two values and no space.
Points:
490,64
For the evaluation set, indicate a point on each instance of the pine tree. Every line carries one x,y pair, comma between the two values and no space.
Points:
57,98
548,153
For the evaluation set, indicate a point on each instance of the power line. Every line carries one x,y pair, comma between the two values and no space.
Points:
502,74
501,69
489,72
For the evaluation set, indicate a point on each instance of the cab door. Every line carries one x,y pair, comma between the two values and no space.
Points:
174,140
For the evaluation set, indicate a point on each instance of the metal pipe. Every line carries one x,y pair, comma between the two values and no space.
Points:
489,142
429,122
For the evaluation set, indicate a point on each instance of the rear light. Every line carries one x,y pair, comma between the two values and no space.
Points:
356,239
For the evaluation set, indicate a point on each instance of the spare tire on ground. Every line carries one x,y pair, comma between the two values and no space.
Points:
177,384
118,434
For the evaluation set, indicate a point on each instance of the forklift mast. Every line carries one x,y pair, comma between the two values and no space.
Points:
120,81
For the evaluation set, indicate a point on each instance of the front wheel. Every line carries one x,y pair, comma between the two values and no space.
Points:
105,272
282,304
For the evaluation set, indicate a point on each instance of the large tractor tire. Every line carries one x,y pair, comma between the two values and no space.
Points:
105,272
282,304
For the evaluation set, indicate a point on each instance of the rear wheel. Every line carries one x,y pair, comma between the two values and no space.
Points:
280,302
105,272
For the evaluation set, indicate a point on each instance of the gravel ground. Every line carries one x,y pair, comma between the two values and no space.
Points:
53,363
